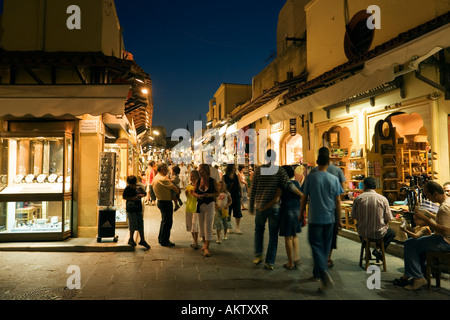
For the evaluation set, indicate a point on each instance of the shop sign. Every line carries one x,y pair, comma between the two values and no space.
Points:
91,126
277,127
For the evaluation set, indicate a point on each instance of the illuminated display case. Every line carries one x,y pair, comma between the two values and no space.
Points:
122,151
36,184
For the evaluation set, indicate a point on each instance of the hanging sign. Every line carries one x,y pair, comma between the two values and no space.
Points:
277,127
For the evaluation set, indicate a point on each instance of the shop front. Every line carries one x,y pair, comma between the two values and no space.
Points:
293,149
36,183
346,152
287,141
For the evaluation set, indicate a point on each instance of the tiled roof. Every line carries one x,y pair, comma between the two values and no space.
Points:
358,63
40,59
267,95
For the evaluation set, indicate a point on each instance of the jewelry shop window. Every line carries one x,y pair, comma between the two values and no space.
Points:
36,184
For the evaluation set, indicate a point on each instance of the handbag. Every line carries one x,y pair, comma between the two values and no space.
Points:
225,213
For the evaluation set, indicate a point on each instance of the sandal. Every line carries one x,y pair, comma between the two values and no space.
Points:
288,267
330,263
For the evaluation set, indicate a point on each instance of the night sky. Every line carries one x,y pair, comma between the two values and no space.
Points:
190,47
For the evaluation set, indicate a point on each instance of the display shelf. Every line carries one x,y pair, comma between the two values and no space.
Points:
414,163
390,175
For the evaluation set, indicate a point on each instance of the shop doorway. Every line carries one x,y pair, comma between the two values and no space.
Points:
340,143
400,154
293,149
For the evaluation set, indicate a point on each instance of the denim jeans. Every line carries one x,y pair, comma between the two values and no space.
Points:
261,217
320,236
415,253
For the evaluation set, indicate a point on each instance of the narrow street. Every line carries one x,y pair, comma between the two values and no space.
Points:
181,273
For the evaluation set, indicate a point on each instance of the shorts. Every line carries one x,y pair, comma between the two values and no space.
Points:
135,220
235,207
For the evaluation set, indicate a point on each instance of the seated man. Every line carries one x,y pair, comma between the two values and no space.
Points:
415,249
372,213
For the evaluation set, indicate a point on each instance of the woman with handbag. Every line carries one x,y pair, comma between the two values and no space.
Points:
206,191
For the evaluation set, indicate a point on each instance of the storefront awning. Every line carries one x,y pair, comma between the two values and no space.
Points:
58,100
376,72
340,91
260,112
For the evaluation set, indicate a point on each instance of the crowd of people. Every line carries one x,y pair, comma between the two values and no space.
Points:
287,200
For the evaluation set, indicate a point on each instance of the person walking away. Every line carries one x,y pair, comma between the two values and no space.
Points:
415,249
262,191
223,202
336,171
243,184
162,187
372,214
322,192
233,186
191,208
205,192
290,222
133,195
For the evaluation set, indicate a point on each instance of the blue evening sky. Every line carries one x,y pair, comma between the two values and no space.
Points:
190,47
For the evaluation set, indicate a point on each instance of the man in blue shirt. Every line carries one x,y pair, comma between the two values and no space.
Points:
322,190
336,171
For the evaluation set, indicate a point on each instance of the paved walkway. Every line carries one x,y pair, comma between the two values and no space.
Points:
110,271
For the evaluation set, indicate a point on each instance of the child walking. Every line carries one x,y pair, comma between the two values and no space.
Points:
223,201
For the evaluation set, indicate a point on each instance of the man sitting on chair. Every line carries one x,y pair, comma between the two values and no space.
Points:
372,213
